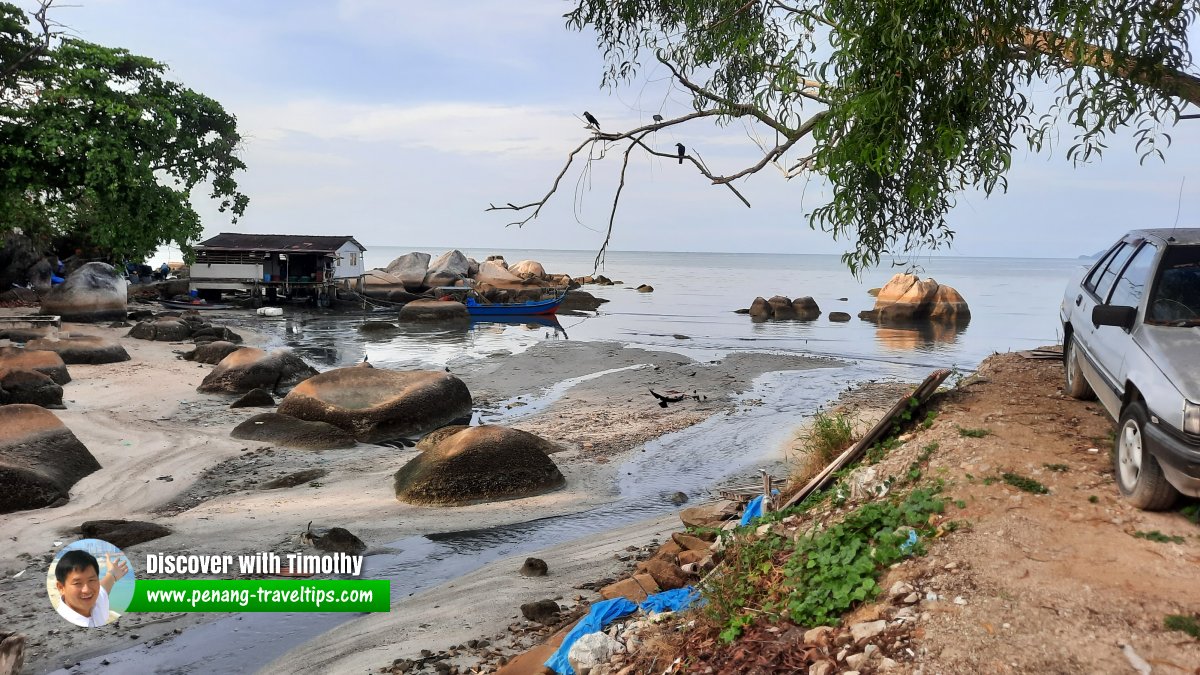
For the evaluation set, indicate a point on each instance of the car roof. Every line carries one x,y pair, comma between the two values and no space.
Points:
1170,235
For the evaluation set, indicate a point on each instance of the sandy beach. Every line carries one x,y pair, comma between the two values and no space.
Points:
167,457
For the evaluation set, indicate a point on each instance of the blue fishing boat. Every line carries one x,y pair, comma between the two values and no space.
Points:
530,308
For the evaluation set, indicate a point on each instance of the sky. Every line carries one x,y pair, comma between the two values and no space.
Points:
399,122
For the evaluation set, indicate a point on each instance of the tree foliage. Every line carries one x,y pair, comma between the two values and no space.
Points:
900,105
96,143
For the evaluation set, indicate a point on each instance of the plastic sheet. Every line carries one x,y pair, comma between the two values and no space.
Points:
601,614
670,601
753,510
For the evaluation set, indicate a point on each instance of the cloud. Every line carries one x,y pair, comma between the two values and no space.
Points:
457,128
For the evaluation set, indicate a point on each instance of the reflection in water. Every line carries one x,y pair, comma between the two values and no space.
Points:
925,336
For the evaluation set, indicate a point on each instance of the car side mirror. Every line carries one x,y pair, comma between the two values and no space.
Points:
1114,315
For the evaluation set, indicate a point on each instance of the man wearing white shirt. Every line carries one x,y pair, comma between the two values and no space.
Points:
84,595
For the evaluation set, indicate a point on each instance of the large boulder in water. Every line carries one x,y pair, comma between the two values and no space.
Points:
29,386
479,464
89,349
252,368
528,269
378,405
292,432
761,310
40,459
907,299
580,301
410,269
44,362
435,311
493,274
447,269
94,292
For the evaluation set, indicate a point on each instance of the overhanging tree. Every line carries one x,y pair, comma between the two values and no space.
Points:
898,104
97,144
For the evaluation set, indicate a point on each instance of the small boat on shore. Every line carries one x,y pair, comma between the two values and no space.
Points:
530,308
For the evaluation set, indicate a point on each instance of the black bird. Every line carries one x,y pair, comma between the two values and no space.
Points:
364,358
664,400
681,151
590,120
658,118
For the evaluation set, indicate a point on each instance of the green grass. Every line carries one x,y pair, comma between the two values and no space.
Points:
1057,468
1155,535
973,433
828,436
1183,623
1191,512
1027,484
1094,499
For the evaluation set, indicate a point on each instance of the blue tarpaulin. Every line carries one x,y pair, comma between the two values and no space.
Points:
601,614
670,601
753,510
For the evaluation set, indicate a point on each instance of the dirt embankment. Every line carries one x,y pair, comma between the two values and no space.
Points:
1046,571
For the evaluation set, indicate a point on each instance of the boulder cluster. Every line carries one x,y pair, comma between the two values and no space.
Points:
179,327
458,465
904,301
417,275
781,307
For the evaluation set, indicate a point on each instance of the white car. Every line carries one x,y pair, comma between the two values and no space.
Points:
1131,338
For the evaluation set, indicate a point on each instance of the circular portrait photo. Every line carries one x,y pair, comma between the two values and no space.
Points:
90,583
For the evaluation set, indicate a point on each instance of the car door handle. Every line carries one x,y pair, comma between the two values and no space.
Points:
1078,299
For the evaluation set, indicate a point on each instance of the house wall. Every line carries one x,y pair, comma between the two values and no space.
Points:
226,271
350,263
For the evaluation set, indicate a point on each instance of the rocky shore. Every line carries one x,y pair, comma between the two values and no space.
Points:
159,424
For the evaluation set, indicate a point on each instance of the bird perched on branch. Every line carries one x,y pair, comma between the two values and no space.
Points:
591,120
658,118
682,150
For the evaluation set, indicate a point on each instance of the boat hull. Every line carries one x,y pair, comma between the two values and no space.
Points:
538,308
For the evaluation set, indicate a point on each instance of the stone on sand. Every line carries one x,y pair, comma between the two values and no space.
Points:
376,404
479,464
40,459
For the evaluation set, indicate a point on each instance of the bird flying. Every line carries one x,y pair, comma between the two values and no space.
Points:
590,120
664,400
682,150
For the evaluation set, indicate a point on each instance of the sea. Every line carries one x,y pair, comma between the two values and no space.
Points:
1014,306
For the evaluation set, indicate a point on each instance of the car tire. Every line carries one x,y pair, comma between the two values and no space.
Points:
1139,476
1076,384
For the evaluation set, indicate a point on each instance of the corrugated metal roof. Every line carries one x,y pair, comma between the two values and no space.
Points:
233,241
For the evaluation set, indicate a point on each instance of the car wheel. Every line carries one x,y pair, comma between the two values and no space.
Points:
1139,476
1077,386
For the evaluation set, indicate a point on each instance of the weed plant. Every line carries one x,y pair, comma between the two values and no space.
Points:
829,435
1184,623
1027,484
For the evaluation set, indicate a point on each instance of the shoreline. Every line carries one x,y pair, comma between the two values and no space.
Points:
144,420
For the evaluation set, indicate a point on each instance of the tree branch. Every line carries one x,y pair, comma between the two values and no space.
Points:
43,43
1171,82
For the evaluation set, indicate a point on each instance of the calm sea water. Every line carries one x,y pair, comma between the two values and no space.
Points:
1014,306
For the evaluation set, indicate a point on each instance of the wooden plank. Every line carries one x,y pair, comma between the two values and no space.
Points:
877,433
